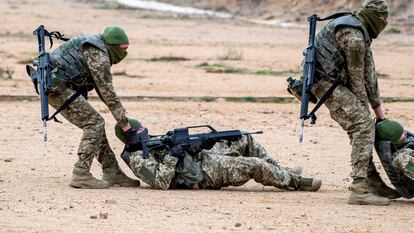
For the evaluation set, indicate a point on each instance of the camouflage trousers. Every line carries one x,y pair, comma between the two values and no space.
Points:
235,165
355,118
404,162
94,142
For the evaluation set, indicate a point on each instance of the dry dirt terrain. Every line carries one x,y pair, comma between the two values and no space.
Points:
34,175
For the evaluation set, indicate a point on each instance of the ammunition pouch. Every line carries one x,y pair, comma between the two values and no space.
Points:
330,61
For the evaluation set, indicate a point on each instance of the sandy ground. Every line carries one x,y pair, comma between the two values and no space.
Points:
34,175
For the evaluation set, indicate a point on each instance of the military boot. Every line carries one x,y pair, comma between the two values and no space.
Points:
305,184
377,186
360,194
82,178
115,176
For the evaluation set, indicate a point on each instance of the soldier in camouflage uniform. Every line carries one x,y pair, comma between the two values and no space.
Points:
81,64
221,166
344,54
403,157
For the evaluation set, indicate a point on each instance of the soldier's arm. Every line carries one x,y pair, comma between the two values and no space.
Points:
100,69
371,81
351,42
156,174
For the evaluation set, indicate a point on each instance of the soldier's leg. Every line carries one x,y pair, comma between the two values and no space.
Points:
255,149
81,114
404,162
247,146
355,118
222,171
110,169
377,185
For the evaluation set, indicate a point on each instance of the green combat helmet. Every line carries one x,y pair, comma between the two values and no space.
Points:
113,37
390,130
120,133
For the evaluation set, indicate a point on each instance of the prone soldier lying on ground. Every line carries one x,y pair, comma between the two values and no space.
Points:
219,165
395,148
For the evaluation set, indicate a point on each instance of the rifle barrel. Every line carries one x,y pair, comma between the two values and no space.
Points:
44,130
302,131
255,132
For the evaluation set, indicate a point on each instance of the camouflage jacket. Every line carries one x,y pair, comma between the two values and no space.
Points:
100,71
345,50
158,170
360,71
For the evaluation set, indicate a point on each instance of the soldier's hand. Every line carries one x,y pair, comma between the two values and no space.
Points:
133,138
177,151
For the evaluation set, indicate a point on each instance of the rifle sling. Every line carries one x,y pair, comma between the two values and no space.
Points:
325,96
65,105
56,35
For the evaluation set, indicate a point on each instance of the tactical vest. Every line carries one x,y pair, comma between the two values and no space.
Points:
69,61
386,152
330,61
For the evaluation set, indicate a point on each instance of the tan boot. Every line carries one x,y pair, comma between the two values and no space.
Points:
377,186
82,178
305,184
115,176
359,194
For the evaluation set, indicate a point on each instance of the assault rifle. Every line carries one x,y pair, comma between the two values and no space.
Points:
181,136
43,74
43,79
308,76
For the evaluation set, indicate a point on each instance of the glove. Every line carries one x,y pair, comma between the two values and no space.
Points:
132,143
133,136
177,151
378,120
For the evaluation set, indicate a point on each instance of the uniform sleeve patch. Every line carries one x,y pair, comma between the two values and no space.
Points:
147,174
